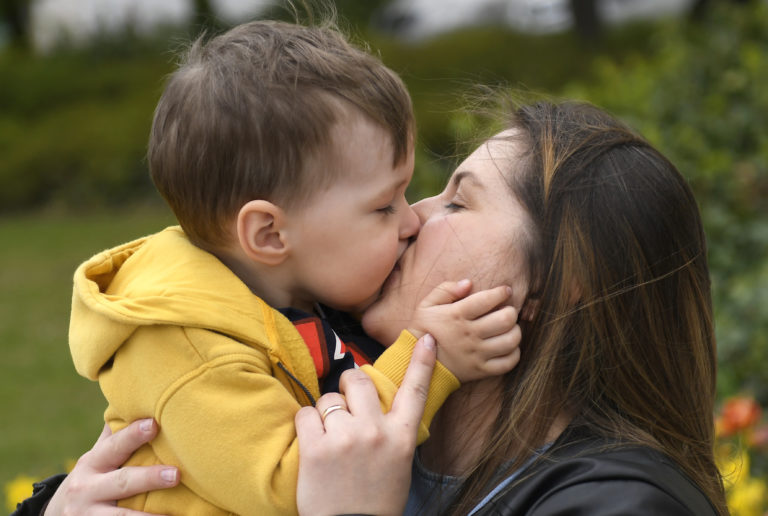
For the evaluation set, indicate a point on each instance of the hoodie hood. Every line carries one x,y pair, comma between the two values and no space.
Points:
162,279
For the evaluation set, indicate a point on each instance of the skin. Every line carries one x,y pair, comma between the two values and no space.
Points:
472,229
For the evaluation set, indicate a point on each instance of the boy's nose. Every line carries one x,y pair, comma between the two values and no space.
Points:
411,224
422,209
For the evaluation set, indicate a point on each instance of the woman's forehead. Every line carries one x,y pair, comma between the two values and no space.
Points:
493,161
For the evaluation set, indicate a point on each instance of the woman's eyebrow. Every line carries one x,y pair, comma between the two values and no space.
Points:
458,177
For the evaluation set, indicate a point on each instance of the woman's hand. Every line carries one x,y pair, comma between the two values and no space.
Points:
97,479
352,458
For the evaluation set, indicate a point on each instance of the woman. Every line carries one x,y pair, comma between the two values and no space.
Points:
610,410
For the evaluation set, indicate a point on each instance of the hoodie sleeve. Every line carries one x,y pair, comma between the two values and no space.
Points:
388,372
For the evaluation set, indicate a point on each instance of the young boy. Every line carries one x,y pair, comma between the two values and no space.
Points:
284,153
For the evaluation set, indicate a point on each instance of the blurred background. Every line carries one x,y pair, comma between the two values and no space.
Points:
79,80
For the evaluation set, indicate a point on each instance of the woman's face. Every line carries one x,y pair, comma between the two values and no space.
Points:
474,229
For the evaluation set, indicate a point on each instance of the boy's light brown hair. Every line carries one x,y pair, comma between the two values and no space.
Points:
246,111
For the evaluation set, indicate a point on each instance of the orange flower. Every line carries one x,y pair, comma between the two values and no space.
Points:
738,414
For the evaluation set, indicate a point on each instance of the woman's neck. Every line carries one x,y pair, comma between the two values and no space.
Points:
462,428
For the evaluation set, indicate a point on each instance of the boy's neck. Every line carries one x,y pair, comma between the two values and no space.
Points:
267,282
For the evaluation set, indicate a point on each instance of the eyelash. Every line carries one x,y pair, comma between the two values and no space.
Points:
388,210
452,206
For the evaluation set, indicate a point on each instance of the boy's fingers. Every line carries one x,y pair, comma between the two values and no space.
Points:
480,303
408,405
503,364
447,292
498,322
500,345
112,451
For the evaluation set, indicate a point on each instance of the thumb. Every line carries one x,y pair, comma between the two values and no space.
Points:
447,292
408,405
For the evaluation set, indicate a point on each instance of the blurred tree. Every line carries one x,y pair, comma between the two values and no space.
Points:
359,13
701,6
15,14
205,16
586,18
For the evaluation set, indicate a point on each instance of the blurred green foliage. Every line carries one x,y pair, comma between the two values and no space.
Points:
702,99
73,127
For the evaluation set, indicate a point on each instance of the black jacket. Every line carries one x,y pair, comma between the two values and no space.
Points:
587,476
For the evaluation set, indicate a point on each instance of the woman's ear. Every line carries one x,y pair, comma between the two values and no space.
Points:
260,232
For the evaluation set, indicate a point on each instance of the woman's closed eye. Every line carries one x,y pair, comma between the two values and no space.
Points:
388,210
453,206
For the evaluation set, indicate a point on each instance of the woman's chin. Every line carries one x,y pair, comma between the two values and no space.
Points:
374,323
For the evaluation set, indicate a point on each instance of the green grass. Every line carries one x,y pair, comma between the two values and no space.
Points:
51,414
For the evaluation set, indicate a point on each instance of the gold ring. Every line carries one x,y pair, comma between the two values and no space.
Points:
332,408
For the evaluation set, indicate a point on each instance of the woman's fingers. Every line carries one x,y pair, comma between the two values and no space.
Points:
97,480
129,481
309,426
111,451
332,405
361,453
360,392
408,405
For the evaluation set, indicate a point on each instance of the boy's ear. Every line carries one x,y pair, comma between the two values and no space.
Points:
260,231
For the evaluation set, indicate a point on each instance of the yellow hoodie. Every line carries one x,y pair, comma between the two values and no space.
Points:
171,333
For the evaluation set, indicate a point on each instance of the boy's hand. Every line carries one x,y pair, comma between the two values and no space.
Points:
477,335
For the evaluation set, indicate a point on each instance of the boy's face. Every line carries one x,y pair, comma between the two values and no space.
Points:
348,237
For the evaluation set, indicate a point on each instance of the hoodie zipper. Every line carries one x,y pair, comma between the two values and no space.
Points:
297,382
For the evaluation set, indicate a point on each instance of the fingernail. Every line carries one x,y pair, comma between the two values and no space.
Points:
464,283
169,475
428,341
145,425
509,291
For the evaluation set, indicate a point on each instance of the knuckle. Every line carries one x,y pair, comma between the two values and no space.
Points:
121,480
508,316
75,487
344,443
355,375
373,436
419,391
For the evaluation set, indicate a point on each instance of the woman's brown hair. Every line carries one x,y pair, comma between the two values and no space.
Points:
622,335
